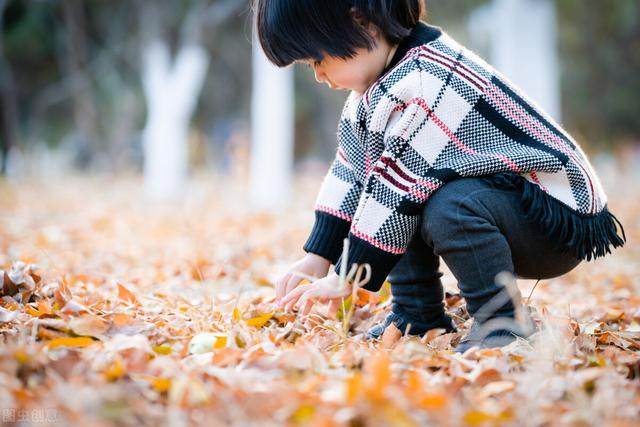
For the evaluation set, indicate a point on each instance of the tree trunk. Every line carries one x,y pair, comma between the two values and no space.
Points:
525,48
171,90
9,127
271,133
83,102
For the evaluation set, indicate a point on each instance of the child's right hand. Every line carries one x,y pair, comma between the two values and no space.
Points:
310,265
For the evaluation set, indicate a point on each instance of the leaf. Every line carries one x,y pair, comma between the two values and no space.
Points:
163,349
70,342
433,401
476,417
381,374
161,384
353,387
303,414
126,295
221,342
259,321
89,324
497,387
202,343
390,336
114,371
7,315
236,314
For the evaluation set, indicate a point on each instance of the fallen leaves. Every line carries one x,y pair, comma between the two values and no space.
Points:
181,315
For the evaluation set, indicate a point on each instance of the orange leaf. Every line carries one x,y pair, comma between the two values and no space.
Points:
433,401
70,342
381,372
161,385
236,314
126,295
353,387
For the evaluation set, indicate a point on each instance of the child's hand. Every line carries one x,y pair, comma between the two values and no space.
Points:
322,290
311,265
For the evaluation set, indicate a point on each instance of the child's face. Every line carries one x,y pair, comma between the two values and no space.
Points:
356,73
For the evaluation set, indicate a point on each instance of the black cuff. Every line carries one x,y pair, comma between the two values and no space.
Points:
381,262
327,235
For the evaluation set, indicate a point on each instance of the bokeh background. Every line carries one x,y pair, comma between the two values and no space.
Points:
74,100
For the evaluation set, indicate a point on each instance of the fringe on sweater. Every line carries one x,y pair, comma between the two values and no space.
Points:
586,236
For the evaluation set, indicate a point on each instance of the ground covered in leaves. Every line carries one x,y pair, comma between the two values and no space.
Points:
118,311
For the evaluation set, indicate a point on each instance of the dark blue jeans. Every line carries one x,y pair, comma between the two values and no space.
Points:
479,230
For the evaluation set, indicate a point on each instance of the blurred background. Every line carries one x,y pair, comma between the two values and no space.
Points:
167,89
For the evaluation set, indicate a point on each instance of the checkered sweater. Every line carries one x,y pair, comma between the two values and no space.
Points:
439,113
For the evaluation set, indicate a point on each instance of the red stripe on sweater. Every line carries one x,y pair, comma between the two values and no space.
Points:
551,139
559,143
374,242
391,179
456,63
454,69
420,102
534,176
393,165
342,155
334,212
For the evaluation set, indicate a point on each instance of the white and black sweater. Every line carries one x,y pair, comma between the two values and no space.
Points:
440,113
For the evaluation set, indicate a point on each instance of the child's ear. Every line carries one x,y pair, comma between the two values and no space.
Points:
365,23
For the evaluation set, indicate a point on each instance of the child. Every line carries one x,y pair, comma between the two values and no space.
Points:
439,156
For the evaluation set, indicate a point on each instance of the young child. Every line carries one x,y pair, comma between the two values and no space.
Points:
439,156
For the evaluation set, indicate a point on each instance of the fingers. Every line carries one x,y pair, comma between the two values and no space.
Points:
281,286
294,280
308,305
292,297
334,304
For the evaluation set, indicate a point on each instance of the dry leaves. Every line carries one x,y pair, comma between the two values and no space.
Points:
117,312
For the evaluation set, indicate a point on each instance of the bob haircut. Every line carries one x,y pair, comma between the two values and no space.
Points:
293,30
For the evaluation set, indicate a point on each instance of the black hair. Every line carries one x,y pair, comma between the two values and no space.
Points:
292,30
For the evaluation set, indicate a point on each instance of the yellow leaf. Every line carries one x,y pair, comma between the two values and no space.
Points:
475,417
70,342
236,314
161,385
114,371
221,342
259,321
163,349
21,356
239,342
303,414
344,308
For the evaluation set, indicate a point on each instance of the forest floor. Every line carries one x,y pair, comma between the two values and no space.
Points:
104,292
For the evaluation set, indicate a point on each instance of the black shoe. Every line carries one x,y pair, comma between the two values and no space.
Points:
496,332
417,328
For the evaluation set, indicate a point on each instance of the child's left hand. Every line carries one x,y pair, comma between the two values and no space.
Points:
322,290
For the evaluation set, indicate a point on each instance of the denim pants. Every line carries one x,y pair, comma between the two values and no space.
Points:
479,230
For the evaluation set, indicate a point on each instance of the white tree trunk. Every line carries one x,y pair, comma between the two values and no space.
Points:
271,133
171,90
522,37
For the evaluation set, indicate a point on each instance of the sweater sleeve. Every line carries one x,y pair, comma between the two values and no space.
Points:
389,209
334,208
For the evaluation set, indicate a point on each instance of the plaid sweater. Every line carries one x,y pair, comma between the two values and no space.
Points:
440,113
